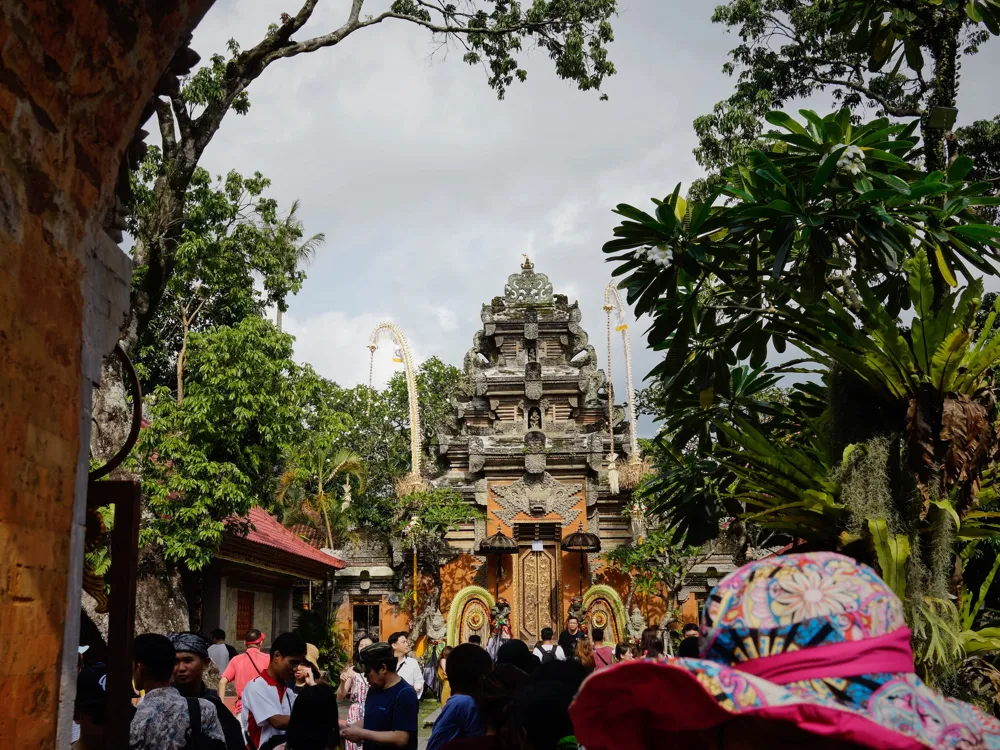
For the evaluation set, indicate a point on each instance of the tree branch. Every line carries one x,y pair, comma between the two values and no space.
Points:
886,105
168,135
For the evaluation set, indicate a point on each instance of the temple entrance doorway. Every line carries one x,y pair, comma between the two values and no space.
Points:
537,579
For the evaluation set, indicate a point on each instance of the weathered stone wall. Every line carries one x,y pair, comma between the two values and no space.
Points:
74,78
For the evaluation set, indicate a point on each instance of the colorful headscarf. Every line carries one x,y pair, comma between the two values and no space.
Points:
817,640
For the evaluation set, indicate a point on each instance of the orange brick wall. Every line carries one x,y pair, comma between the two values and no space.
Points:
74,78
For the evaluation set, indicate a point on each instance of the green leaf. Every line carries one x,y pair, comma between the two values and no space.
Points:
784,120
892,551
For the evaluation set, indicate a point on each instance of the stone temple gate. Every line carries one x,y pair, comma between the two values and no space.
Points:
528,445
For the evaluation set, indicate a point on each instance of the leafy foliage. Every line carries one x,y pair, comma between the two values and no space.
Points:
215,456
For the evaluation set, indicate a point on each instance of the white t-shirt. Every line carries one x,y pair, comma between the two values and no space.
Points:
263,699
410,671
541,650
219,655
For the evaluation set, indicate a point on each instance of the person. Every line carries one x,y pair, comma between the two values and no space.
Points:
807,650
354,684
690,643
313,724
467,666
190,663
585,654
220,652
442,674
476,639
245,667
306,674
407,667
651,644
515,651
495,705
91,704
164,718
571,636
391,707
548,649
80,651
604,656
625,652
267,702
541,716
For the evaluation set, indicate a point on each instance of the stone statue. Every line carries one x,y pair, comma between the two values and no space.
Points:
577,610
437,628
534,419
636,624
499,626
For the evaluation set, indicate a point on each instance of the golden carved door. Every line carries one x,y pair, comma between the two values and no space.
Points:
537,588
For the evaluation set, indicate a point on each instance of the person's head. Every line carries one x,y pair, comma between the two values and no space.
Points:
624,652
152,661
541,714
400,644
547,634
303,670
598,635
466,667
585,653
690,630
253,639
218,636
313,723
190,661
359,645
476,639
570,673
91,703
651,643
496,699
516,652
378,664
572,624
287,652
445,653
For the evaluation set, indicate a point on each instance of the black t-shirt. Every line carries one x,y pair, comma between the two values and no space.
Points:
568,642
231,729
392,710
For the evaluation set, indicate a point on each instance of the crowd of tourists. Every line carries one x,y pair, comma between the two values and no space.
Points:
793,651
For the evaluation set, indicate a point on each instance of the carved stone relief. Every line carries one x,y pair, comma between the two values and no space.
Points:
528,287
537,496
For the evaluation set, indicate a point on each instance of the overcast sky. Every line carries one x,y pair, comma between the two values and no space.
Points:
428,189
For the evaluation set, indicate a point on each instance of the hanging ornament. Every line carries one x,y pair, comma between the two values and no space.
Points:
613,474
347,495
397,354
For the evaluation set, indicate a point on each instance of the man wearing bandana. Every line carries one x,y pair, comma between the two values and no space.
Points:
245,668
192,660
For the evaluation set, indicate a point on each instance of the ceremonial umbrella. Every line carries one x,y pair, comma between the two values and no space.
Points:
583,542
499,544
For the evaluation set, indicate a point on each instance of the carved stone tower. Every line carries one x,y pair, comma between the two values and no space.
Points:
527,446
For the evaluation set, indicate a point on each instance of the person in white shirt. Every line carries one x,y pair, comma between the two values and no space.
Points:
267,701
548,649
219,652
407,667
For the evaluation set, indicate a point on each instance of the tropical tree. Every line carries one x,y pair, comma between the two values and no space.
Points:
827,245
900,58
309,480
288,233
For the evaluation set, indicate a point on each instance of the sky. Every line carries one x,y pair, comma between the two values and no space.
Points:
428,189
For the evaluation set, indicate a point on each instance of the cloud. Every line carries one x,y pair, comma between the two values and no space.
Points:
429,189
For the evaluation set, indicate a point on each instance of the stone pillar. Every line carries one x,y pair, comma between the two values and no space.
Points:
74,78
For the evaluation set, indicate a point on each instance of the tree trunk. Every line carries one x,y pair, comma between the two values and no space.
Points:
180,362
277,318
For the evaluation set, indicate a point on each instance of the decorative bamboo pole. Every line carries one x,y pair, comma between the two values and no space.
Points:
391,331
636,468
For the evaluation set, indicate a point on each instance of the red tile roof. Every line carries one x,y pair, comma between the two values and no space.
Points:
309,534
266,530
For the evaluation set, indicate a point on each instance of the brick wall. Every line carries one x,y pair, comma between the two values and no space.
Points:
74,78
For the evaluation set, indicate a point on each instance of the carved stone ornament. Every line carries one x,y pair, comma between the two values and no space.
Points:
477,459
537,496
534,463
531,331
528,287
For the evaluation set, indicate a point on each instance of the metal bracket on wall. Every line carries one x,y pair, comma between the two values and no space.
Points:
125,496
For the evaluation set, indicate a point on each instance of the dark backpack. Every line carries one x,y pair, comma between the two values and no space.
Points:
197,740
549,655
